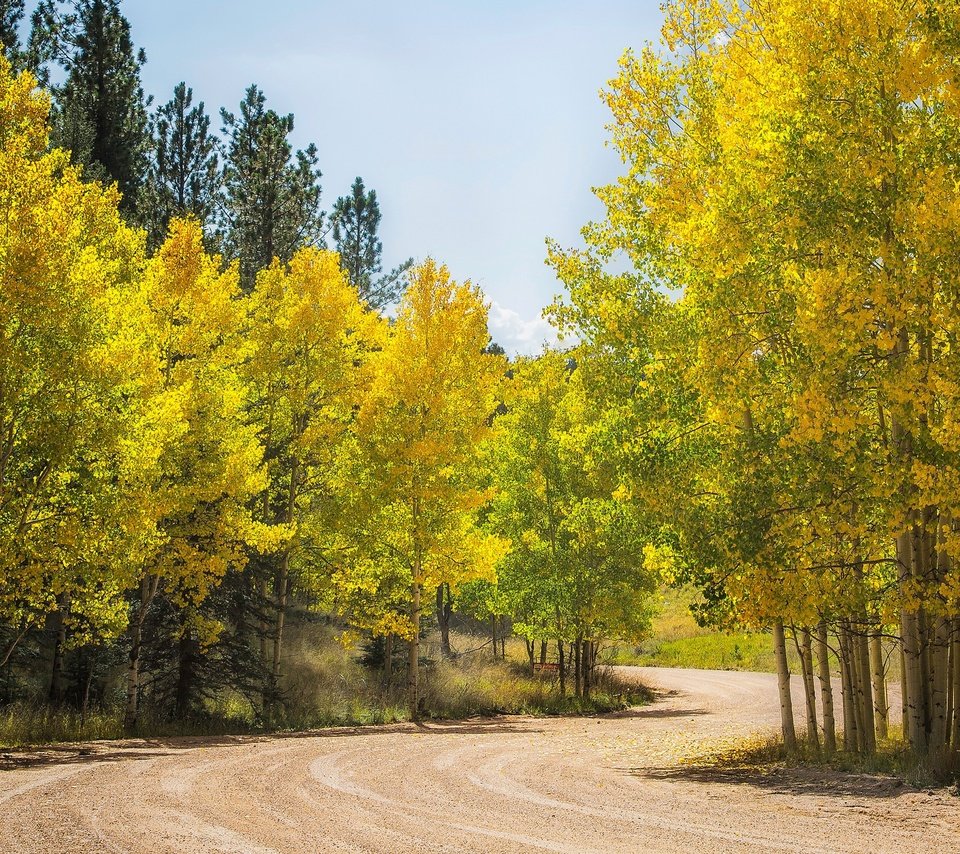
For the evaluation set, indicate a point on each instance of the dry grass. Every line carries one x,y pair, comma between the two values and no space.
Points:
893,758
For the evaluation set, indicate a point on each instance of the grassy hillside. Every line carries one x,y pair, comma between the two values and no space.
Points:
677,641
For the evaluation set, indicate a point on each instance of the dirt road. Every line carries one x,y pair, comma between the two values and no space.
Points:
613,784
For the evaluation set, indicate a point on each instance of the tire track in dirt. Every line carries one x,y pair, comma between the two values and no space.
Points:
619,783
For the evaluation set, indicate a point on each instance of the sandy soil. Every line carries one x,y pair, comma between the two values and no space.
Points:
620,783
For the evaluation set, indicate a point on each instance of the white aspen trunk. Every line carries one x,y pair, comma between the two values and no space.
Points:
955,669
801,640
783,684
939,660
413,652
865,694
880,705
851,740
826,690
904,712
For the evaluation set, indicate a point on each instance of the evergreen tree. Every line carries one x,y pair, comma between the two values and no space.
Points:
356,220
11,13
99,111
272,194
184,172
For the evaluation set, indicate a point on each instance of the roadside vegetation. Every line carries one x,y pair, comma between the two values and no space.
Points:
327,685
676,640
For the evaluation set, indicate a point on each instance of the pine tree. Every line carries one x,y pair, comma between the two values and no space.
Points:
11,13
272,194
356,220
100,114
184,172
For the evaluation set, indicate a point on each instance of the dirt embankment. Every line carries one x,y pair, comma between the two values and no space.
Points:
578,785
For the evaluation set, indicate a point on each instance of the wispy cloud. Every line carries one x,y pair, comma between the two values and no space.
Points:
519,336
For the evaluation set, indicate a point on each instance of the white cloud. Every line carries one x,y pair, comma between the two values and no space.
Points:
516,335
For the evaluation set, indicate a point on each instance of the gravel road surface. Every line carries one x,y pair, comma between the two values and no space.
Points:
622,783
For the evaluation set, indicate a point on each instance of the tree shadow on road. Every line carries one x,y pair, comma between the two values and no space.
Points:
780,780
153,748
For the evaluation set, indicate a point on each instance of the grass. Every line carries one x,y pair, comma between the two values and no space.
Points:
677,641
325,685
893,758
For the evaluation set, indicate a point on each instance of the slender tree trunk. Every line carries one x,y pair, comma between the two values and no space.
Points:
864,693
939,667
783,683
805,651
904,710
880,705
88,662
388,658
563,669
851,736
910,633
443,618
826,690
148,589
577,673
955,669
530,651
59,643
587,665
543,652
283,580
413,648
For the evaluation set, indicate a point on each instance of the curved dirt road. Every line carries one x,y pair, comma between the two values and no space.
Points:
578,785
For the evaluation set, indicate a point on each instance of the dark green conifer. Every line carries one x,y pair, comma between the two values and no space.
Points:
356,222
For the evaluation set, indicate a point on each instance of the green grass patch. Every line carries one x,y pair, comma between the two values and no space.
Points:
677,641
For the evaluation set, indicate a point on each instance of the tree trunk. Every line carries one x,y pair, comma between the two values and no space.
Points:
851,740
388,658
880,705
587,665
577,674
59,643
530,650
563,669
826,690
543,652
939,705
87,670
783,683
955,669
283,581
915,731
443,618
864,693
148,589
413,649
805,651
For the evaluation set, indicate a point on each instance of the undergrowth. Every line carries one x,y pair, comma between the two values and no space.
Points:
893,758
325,685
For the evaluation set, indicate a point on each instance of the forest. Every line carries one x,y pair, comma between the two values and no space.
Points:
220,417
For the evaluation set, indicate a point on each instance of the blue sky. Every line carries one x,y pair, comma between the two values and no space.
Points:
478,124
